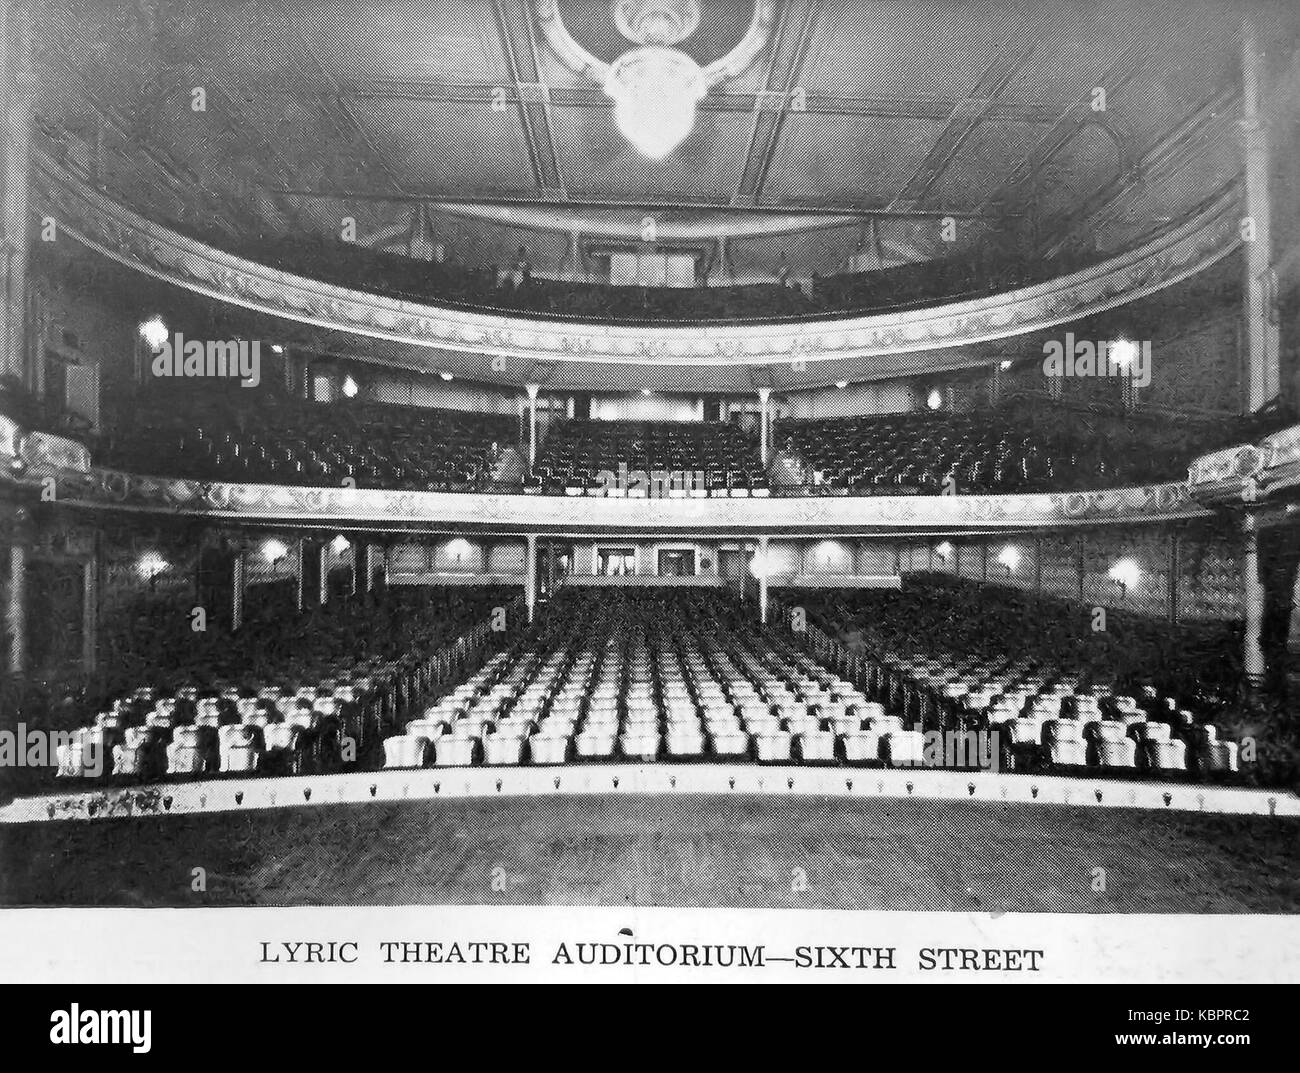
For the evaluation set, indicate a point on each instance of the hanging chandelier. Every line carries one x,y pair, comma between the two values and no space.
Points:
655,91
656,88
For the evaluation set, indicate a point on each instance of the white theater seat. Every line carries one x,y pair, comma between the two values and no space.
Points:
502,748
1061,730
84,755
903,748
1116,753
404,751
729,743
685,741
816,746
1219,756
429,729
548,749
1024,731
861,746
885,724
192,751
283,737
596,742
451,751
846,723
1164,754
806,725
773,746
240,747
142,753
640,746
1068,752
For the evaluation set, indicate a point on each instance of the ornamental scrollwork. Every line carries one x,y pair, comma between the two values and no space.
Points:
101,223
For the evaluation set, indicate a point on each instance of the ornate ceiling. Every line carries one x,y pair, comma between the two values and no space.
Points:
431,116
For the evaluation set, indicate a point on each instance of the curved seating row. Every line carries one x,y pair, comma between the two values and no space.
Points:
312,716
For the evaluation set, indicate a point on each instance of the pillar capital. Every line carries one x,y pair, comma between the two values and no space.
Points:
532,390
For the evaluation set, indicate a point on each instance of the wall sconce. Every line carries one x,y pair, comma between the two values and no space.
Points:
1125,574
150,565
154,332
1010,558
273,551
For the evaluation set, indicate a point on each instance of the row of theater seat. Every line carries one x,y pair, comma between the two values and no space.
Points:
315,716
282,441
687,676
220,436
693,458
1034,449
1049,703
639,678
925,454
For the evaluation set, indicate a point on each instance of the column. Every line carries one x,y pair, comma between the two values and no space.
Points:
532,425
576,271
1262,362
90,574
530,574
764,568
300,598
17,110
764,394
361,570
16,602
237,580
1171,591
726,270
322,577
1253,599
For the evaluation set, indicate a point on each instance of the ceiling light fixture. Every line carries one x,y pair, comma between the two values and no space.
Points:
655,87
655,91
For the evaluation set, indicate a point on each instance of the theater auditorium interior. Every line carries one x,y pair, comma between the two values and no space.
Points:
663,445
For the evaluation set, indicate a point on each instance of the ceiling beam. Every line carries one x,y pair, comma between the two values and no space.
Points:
965,117
519,40
718,100
1126,67
1167,157
789,47
346,123
183,183
489,197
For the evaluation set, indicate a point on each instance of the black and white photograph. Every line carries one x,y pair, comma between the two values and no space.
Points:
625,491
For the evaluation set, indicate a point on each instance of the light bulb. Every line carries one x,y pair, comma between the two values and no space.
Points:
655,91
154,332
